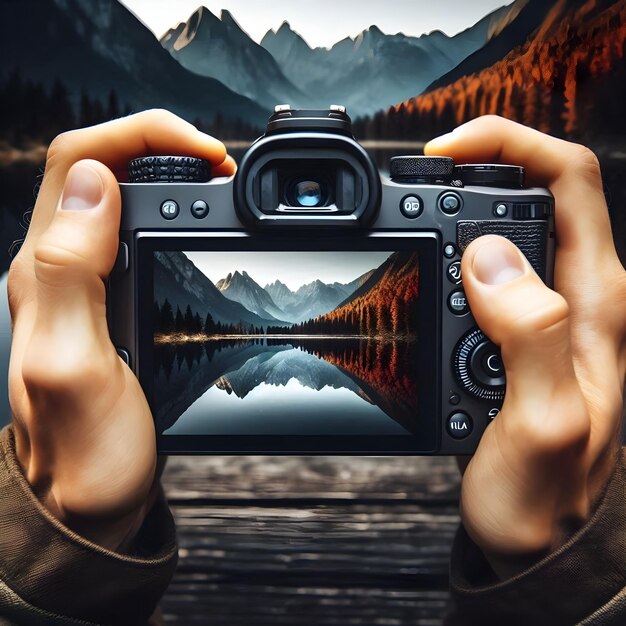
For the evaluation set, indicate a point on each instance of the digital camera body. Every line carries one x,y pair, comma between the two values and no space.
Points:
308,305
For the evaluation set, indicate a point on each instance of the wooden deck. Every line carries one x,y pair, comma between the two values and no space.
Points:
305,540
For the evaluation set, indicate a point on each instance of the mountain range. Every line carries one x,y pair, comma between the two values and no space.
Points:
277,301
366,72
239,299
218,48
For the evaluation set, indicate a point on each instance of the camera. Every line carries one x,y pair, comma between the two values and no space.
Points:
309,305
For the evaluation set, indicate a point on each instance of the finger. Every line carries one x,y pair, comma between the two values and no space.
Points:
544,407
67,339
227,168
114,144
570,170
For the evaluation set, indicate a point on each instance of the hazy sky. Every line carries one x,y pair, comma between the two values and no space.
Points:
324,22
294,269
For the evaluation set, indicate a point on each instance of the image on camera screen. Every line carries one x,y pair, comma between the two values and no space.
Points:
285,343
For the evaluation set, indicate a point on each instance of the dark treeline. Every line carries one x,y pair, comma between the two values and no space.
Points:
32,112
167,322
366,319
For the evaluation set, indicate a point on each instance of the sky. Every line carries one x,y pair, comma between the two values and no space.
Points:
294,269
324,22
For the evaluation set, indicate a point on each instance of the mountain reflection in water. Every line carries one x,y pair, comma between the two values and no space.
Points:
260,386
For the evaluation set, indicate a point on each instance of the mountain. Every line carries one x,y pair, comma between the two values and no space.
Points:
182,283
280,293
397,277
241,288
567,78
369,71
351,287
96,46
220,49
512,30
312,299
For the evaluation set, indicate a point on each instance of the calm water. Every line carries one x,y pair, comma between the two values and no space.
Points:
274,387
291,409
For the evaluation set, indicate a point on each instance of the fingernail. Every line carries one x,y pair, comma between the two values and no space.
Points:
498,262
83,189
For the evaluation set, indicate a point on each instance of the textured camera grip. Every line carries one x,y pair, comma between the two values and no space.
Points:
168,169
529,237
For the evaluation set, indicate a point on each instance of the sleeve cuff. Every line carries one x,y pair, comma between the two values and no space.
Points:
53,568
565,587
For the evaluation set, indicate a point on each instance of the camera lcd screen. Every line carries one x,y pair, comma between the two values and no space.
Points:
267,342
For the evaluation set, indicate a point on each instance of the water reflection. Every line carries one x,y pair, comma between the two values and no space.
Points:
286,386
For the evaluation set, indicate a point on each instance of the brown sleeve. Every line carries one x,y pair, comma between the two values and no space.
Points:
51,569
584,579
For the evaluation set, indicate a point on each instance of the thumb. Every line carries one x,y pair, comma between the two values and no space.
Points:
530,323
69,350
82,237
533,456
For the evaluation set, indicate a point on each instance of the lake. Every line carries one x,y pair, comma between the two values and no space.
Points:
287,386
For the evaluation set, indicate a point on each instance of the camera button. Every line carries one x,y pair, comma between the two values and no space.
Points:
199,209
493,413
170,210
449,250
460,425
457,303
450,203
411,206
121,261
454,272
124,355
501,210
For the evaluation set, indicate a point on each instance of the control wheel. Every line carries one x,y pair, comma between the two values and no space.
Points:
491,175
169,169
420,169
479,367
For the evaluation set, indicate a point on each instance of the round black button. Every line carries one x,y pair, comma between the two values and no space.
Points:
199,209
450,203
486,364
454,272
459,425
454,399
411,206
457,303
169,210
478,366
449,250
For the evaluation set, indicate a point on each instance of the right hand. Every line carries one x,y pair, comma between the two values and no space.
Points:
543,463
84,434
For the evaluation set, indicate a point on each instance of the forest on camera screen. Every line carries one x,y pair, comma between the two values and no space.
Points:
285,343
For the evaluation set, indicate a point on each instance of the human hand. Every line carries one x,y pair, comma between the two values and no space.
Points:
544,460
84,433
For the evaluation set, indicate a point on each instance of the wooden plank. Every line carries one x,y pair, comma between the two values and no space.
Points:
340,477
311,540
